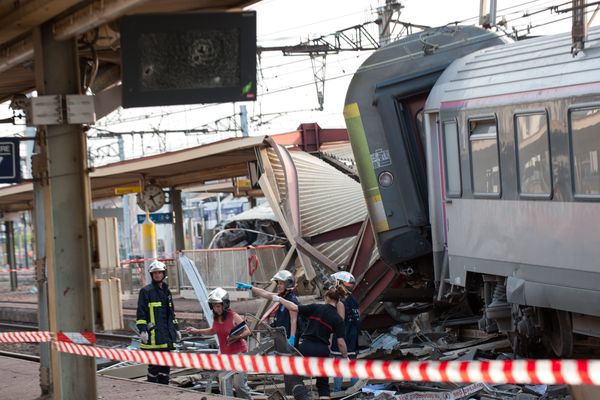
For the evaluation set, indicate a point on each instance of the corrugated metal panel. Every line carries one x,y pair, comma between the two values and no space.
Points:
328,198
278,172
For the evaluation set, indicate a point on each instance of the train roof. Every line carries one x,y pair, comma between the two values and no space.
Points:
430,51
522,68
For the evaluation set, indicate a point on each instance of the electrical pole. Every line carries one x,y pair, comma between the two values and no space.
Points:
244,120
579,28
384,21
487,13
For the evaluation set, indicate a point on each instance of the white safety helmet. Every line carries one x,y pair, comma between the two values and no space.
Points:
219,296
157,266
286,277
346,278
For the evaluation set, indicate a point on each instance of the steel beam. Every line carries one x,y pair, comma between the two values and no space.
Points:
335,234
315,254
373,283
361,253
67,198
295,138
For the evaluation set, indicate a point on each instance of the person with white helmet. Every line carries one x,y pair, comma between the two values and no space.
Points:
323,321
286,283
347,309
231,331
156,321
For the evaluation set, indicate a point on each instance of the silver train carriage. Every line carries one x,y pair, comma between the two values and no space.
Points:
478,159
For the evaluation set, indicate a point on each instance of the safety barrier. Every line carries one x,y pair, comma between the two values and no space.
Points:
224,267
550,372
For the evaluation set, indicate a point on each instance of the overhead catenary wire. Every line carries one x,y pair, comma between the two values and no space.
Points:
293,87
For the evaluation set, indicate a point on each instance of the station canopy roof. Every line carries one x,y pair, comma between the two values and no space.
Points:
74,18
181,169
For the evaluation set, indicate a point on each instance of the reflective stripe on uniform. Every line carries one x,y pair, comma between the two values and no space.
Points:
151,306
141,322
154,346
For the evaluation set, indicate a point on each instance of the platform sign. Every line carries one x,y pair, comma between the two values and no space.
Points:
157,218
10,161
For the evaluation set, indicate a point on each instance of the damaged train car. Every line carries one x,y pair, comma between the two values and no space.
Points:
478,159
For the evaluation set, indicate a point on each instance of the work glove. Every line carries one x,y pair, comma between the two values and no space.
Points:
144,337
242,285
178,336
291,340
275,298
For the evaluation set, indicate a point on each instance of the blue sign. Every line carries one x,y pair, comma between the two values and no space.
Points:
157,218
10,162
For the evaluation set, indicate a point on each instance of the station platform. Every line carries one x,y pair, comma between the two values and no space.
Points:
20,381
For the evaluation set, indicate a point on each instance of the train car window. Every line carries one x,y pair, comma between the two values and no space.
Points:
585,148
485,167
533,155
452,159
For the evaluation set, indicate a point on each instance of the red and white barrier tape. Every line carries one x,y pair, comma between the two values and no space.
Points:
76,337
25,337
573,372
16,270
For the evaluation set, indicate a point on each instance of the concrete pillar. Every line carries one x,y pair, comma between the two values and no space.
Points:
67,199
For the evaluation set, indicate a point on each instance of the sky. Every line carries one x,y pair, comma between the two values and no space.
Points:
285,83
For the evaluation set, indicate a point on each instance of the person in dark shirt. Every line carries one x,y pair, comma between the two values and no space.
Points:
286,283
347,309
155,320
322,321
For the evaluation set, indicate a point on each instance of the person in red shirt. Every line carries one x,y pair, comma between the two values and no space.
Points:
225,320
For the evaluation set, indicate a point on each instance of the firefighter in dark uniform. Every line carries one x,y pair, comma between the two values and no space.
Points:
322,321
156,320
348,309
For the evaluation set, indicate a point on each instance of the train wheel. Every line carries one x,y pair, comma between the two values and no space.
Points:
558,332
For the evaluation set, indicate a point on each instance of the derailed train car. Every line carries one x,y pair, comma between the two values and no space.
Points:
479,163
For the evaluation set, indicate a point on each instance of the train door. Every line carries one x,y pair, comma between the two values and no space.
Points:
436,191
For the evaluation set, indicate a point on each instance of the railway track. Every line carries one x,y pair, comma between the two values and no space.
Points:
109,337
20,356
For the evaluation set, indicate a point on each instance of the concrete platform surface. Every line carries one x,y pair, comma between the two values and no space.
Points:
20,381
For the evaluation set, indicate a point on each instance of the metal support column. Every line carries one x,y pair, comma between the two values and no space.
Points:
39,229
9,228
25,244
177,207
67,201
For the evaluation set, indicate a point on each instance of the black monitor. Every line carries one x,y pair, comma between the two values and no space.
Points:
170,59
